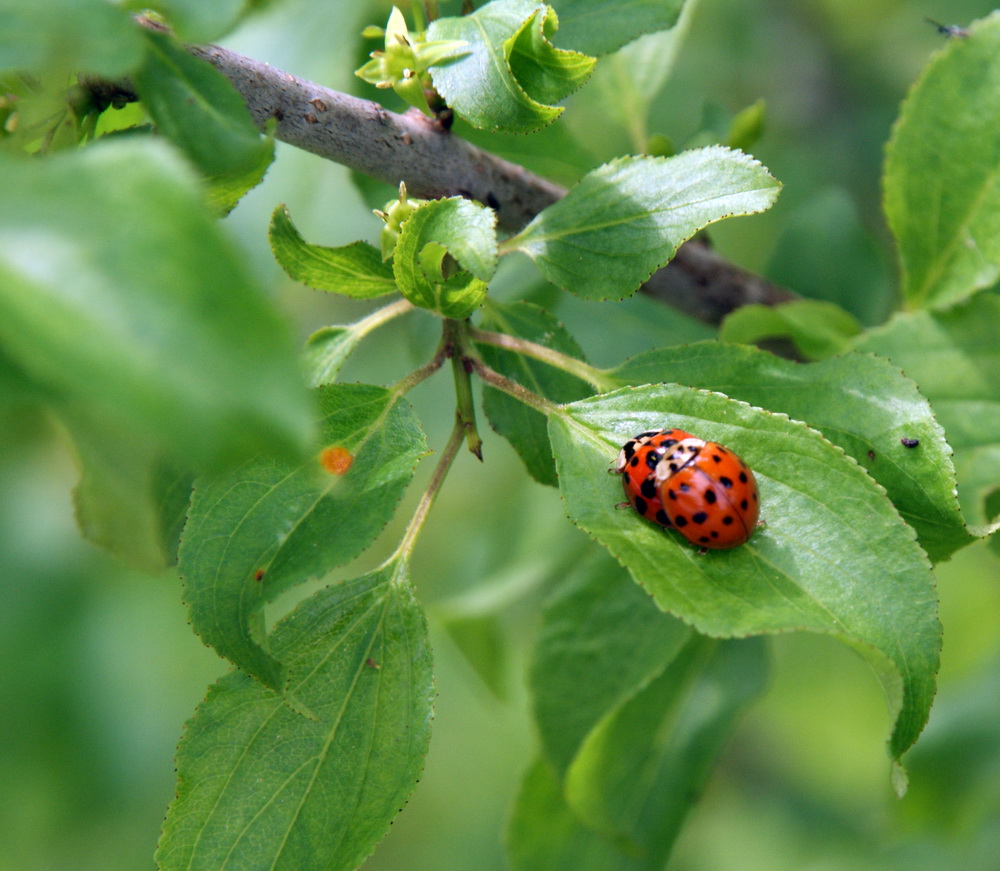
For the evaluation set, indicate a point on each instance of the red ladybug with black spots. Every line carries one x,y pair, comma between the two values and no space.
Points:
701,489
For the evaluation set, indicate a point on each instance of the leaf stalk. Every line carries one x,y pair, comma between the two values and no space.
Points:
584,371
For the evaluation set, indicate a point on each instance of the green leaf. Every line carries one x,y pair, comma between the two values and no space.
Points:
436,236
623,88
818,329
474,618
268,525
941,193
195,20
198,109
545,835
625,220
601,640
84,36
825,251
747,126
549,74
327,350
834,557
863,404
354,270
261,786
954,357
602,26
525,428
225,191
511,67
641,770
155,325
127,501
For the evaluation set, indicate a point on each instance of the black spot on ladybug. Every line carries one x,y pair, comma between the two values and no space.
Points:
669,443
652,459
727,521
640,505
743,477
634,461
671,494
715,534
685,488
648,488
699,517
909,443
744,504
716,458
680,520
726,482
754,494
704,539
646,435
628,450
662,519
710,496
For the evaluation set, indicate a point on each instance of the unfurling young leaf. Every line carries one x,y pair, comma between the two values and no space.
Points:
447,251
512,72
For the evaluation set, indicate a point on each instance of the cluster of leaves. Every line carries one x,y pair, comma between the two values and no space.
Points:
179,386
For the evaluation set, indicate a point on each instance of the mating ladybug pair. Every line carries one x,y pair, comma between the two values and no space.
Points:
701,489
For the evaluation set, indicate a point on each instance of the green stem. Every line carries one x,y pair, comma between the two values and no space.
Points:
456,340
405,385
381,316
427,500
512,388
584,371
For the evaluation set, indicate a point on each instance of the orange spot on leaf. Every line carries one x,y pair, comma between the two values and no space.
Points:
336,460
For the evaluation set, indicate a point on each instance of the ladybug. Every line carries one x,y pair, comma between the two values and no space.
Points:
701,489
637,463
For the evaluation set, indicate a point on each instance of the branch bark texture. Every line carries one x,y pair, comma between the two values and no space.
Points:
411,147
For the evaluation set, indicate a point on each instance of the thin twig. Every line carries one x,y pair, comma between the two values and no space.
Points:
427,500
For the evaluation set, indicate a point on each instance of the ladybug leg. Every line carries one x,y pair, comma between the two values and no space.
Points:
622,505
702,551
761,524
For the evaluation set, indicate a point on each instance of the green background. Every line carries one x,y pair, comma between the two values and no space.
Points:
101,669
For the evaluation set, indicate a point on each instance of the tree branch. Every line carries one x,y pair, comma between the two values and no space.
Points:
434,163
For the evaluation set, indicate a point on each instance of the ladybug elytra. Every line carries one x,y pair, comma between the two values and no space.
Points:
701,489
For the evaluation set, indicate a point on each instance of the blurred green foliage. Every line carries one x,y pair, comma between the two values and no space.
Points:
102,668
